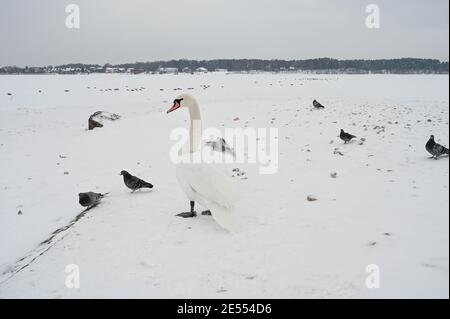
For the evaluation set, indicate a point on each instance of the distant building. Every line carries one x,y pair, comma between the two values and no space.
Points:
67,71
114,70
168,70
221,70
201,70
137,71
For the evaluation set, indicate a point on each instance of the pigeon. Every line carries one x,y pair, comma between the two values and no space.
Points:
220,145
90,199
134,183
435,149
346,137
317,105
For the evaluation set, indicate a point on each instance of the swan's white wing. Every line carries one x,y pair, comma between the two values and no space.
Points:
211,187
208,181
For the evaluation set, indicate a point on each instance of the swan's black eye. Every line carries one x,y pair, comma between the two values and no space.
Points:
177,101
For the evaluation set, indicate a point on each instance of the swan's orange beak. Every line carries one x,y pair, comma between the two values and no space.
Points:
176,105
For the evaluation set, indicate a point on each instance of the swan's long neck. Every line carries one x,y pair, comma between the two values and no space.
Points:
195,131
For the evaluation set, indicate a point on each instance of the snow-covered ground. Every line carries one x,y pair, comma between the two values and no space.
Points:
387,206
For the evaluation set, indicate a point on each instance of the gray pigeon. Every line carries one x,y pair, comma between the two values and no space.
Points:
90,199
435,149
134,183
220,145
317,105
346,137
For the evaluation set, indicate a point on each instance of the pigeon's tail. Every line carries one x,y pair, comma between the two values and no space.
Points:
103,195
446,151
147,185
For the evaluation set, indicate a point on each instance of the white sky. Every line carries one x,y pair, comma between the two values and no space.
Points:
33,32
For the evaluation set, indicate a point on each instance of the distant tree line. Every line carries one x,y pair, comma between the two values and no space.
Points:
236,65
404,65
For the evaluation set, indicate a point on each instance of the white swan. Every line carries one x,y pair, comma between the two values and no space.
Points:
204,183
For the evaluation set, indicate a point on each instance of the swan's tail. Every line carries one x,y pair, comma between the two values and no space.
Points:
225,217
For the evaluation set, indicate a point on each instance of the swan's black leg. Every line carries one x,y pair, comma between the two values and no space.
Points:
192,213
206,213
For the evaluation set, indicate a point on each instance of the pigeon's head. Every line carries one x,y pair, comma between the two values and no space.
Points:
182,100
342,131
432,137
123,173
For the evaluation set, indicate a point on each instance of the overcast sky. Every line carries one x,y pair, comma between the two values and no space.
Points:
33,32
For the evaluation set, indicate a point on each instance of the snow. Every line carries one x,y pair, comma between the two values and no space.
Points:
388,204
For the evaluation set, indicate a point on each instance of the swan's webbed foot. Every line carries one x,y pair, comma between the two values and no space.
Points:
187,214
206,213
190,214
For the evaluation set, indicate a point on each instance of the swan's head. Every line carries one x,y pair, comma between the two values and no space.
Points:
183,100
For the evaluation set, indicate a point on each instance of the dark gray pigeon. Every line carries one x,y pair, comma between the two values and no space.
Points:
435,149
346,137
317,105
134,183
90,199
